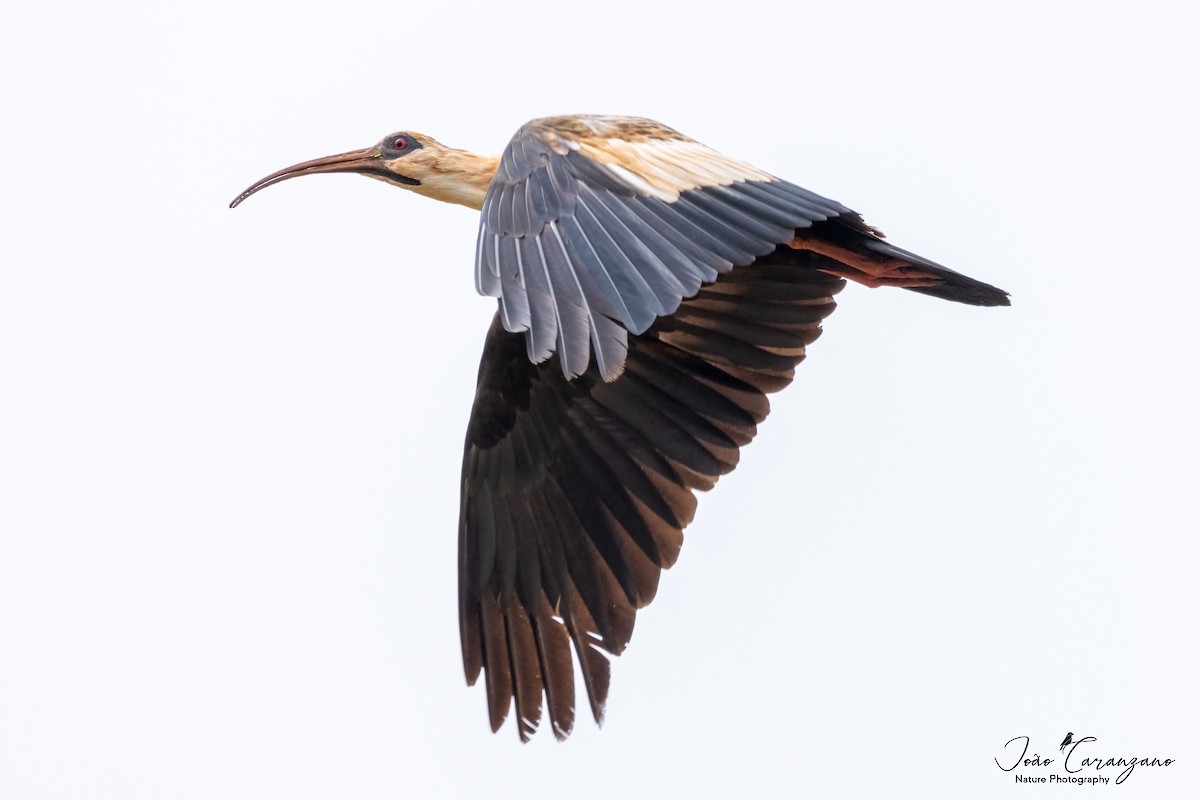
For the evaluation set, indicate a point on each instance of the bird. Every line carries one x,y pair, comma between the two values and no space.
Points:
1066,741
652,293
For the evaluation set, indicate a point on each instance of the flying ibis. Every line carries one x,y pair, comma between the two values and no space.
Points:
652,293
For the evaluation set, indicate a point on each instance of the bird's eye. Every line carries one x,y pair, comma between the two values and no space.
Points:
400,143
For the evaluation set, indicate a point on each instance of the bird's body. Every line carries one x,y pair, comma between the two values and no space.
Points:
651,293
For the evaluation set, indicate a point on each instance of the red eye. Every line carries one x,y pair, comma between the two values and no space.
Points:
400,143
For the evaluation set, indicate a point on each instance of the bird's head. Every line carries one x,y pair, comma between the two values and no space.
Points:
405,159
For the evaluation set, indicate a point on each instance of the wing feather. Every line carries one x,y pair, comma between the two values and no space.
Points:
570,307
514,307
554,653
543,317
524,668
486,277
609,338
576,491
589,263
664,285
719,207
677,216
643,214
672,255
631,288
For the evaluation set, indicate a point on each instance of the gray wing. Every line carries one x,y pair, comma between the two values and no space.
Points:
594,227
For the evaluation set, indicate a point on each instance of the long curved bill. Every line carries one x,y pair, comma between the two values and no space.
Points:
365,160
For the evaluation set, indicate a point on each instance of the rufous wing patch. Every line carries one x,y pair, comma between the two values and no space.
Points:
871,270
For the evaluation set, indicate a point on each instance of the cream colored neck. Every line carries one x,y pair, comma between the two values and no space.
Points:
454,176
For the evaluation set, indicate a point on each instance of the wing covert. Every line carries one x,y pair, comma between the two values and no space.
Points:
593,227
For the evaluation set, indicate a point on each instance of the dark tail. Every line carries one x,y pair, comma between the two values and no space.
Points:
955,286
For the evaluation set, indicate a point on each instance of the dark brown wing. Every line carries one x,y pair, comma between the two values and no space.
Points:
575,493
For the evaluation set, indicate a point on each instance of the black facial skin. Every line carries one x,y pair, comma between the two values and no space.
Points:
407,145
390,151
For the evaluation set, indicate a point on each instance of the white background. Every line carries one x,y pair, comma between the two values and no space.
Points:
230,440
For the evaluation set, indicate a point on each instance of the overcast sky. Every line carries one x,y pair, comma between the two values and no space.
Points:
230,449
